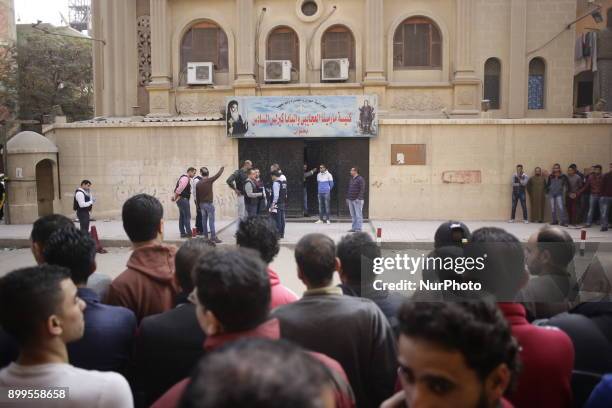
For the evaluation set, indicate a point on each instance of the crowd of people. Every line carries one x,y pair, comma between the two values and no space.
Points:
574,198
208,326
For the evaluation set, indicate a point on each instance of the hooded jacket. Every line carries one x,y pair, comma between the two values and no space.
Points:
280,294
148,285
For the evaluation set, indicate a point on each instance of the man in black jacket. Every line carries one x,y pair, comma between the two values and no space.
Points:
351,330
236,182
169,344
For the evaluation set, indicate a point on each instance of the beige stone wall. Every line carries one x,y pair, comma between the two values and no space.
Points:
8,33
122,161
494,149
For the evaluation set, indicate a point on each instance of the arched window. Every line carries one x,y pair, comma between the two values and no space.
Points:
492,75
537,83
204,42
338,42
417,43
284,44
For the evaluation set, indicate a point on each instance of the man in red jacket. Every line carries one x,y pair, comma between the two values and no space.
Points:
233,300
260,234
148,285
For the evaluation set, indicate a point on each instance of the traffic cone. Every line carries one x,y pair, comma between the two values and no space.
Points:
94,234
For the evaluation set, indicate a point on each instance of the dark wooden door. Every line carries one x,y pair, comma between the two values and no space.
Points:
289,154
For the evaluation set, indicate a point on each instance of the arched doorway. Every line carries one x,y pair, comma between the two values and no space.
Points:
44,187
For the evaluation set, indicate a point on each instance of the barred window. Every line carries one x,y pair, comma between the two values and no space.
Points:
537,84
338,42
417,43
284,44
492,82
205,42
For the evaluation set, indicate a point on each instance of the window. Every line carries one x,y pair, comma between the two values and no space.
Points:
492,75
537,84
283,44
338,42
204,42
417,43
309,8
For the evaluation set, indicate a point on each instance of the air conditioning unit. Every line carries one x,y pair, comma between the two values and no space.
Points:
277,71
336,69
200,73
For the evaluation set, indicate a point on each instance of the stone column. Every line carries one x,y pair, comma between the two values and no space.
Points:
245,53
466,83
159,88
517,95
374,81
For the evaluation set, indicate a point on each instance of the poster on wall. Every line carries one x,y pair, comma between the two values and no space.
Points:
302,116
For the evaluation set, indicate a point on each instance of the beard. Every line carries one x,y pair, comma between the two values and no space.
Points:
235,116
483,401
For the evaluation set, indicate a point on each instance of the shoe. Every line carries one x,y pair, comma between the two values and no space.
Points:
604,229
185,236
328,222
525,222
318,222
564,225
306,215
554,223
511,220
351,230
587,225
216,240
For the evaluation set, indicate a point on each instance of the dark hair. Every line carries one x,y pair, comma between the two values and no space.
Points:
573,166
191,169
234,285
249,171
356,169
245,161
558,243
357,252
232,102
275,174
504,262
28,297
597,166
556,164
73,249
185,259
259,233
322,164
254,372
142,215
476,329
85,182
204,171
519,165
47,225
315,255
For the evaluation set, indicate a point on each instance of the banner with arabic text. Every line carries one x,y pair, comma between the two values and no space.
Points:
302,116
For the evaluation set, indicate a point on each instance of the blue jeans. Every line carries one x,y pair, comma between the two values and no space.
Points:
557,207
279,218
305,200
604,206
208,219
519,196
356,210
593,201
324,203
184,216
199,219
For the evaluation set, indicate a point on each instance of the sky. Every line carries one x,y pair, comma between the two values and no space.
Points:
48,11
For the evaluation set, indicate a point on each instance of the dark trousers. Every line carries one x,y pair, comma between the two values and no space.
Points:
572,210
199,225
184,216
279,218
83,216
251,209
519,196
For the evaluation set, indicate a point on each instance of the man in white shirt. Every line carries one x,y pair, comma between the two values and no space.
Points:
83,203
39,307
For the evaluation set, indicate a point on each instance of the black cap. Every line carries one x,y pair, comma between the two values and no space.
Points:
444,234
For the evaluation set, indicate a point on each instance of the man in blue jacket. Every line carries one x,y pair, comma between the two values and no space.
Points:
325,183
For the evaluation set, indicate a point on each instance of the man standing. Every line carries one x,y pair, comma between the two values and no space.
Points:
556,187
194,183
182,194
251,193
83,203
306,175
236,182
354,199
536,187
592,186
575,184
279,202
325,183
519,181
2,191
204,200
606,198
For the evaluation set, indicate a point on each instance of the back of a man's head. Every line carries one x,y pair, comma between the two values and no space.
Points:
357,252
315,255
142,215
185,259
73,249
503,258
234,285
42,230
451,233
476,329
259,373
28,297
259,233
558,243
